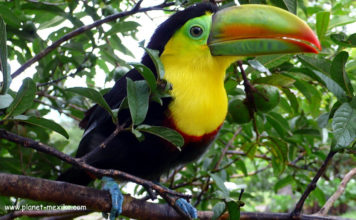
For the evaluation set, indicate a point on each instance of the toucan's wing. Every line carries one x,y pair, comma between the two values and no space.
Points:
97,121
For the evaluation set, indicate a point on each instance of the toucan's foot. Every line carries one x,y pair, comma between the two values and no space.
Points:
116,196
187,207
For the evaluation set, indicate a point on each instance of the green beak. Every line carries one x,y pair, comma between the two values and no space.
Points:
252,30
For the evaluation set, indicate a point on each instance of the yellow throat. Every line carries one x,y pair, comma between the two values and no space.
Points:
200,102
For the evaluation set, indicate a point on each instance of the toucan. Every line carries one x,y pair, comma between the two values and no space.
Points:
196,46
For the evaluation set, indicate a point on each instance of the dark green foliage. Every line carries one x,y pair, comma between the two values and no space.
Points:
238,111
266,98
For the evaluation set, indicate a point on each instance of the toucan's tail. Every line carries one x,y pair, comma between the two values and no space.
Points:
75,176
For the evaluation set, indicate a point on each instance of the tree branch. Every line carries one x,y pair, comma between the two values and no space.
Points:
249,90
94,199
27,142
40,55
227,147
312,185
340,190
100,200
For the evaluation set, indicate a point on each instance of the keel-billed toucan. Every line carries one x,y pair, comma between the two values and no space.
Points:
196,46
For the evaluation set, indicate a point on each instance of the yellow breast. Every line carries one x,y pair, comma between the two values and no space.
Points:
199,103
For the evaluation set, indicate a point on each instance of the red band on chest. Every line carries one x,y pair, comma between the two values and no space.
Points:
192,138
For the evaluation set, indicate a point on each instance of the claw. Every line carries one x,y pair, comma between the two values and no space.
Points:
116,196
187,207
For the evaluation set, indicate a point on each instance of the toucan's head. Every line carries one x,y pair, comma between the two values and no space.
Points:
236,32
198,44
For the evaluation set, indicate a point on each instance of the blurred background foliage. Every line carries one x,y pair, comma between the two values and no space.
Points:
273,157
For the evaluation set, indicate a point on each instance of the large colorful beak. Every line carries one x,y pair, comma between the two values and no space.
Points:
251,30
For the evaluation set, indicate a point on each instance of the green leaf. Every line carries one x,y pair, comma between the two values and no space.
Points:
283,182
289,5
276,125
138,134
278,80
234,210
292,99
96,97
40,7
122,27
9,17
322,23
24,98
270,61
147,74
307,131
338,73
138,99
241,165
117,44
352,40
103,66
344,124
165,133
321,65
279,150
342,39
5,101
312,94
3,58
56,20
154,54
319,195
249,149
282,120
277,166
44,123
108,54
333,87
258,66
218,210
341,20
323,120
219,183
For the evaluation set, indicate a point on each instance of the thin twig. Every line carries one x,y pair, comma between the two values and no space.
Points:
117,130
340,190
44,94
312,185
231,141
58,109
236,176
249,90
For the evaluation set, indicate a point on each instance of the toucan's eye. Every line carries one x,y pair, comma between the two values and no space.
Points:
196,31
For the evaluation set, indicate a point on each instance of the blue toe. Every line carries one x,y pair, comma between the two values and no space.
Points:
116,196
187,207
